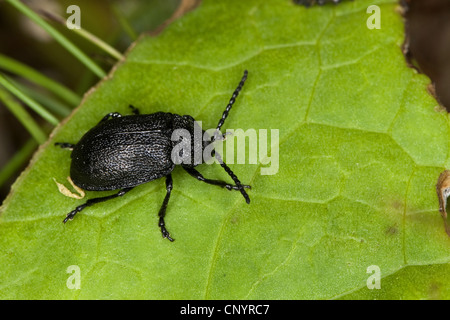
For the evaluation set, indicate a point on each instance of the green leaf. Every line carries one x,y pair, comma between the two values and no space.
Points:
361,145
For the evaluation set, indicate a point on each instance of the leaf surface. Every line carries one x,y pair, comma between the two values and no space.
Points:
361,144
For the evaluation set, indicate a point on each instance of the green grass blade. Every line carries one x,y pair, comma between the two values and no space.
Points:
16,67
53,105
27,100
17,161
126,26
99,43
88,62
23,116
88,36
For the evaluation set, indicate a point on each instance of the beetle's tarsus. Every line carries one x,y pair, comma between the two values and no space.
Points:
162,210
110,115
166,235
234,187
233,176
90,202
193,172
70,215
164,231
134,110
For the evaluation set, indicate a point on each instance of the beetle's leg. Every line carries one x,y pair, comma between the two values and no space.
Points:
233,176
232,100
193,172
65,145
236,181
90,202
110,115
134,109
162,211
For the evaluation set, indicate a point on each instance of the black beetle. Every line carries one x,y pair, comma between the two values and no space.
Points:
121,152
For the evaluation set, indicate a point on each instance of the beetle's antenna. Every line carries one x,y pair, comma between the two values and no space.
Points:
233,176
230,104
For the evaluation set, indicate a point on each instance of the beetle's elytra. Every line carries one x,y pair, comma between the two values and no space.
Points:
121,152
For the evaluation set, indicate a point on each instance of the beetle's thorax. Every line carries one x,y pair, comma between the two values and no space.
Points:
189,141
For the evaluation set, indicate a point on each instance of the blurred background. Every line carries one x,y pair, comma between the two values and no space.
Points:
118,23
428,29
